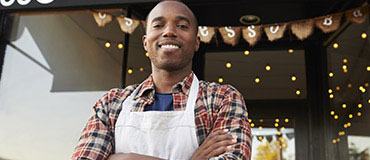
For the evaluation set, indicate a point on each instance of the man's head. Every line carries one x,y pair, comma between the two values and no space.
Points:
171,36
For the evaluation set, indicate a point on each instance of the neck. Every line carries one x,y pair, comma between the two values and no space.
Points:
165,80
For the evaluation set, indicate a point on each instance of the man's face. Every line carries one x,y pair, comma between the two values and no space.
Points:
171,38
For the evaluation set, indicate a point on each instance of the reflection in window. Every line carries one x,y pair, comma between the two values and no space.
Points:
359,147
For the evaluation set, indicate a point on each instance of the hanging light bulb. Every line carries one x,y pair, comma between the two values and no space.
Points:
146,54
335,45
368,68
337,88
331,96
220,79
362,89
276,124
344,67
286,120
257,80
107,44
349,124
261,120
350,116
298,92
359,105
282,128
344,105
363,35
120,45
246,52
368,100
331,74
252,124
293,78
332,113
268,67
334,141
277,120
366,84
345,60
141,69
330,91
349,85
290,50
359,114
130,71
345,126
260,127
228,65
336,116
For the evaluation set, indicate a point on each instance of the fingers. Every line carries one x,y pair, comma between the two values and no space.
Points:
214,135
221,144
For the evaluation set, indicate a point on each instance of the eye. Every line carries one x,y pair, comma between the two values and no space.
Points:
157,25
182,26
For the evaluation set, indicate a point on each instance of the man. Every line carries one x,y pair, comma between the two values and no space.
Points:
171,115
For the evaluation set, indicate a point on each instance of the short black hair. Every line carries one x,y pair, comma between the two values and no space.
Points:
195,18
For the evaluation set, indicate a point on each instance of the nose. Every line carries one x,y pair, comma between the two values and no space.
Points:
170,31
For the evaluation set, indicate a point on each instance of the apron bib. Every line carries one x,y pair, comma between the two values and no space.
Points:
161,134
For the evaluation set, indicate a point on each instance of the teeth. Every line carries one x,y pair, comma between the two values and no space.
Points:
169,46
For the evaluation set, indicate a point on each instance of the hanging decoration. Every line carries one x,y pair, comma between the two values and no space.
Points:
252,34
230,35
102,18
128,25
206,33
302,29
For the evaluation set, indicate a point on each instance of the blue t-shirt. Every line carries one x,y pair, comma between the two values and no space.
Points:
162,102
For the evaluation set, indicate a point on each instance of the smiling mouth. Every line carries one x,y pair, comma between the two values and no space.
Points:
169,46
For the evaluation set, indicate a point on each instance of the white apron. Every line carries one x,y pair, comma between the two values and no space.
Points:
162,134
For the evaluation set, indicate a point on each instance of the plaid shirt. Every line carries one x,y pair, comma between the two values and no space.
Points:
217,107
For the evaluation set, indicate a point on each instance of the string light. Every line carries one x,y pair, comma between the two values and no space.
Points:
331,96
260,127
359,114
344,67
359,105
257,80
260,138
276,124
336,116
338,139
107,44
350,116
332,112
345,60
261,120
268,67
220,79
349,124
344,105
345,125
141,69
368,68
337,88
282,128
293,78
286,120
228,65
129,71
331,74
349,85
147,54
330,91
363,35
290,50
120,45
252,124
335,45
366,84
362,89
250,120
368,100
246,52
334,141
298,92
277,120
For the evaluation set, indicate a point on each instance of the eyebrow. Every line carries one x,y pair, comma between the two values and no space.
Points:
178,17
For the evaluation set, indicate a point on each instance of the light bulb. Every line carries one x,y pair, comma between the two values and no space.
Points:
246,52
107,44
335,45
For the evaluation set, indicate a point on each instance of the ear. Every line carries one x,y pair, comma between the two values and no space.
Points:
197,43
145,43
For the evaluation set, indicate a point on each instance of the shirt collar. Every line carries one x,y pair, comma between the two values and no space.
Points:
147,89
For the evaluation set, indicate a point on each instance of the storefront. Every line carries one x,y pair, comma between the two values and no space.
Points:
306,93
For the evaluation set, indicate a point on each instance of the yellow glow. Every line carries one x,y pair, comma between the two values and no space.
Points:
331,74
282,128
228,65
363,35
335,45
120,45
298,92
252,124
290,50
260,127
345,60
350,116
330,91
279,133
337,88
147,54
344,67
332,112
246,52
336,116
368,68
349,85
334,141
366,84
359,114
107,44
294,78
277,120
141,69
257,80
331,96
286,120
362,89
276,124
250,120
345,70
349,124
268,67
220,80
359,105
338,139
129,71
368,101
344,105
260,138
261,120
345,126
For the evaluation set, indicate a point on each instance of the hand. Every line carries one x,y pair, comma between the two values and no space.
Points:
131,156
215,144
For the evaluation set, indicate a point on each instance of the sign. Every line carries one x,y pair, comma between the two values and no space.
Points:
23,5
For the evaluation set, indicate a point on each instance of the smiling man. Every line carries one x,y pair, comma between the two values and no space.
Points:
171,115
